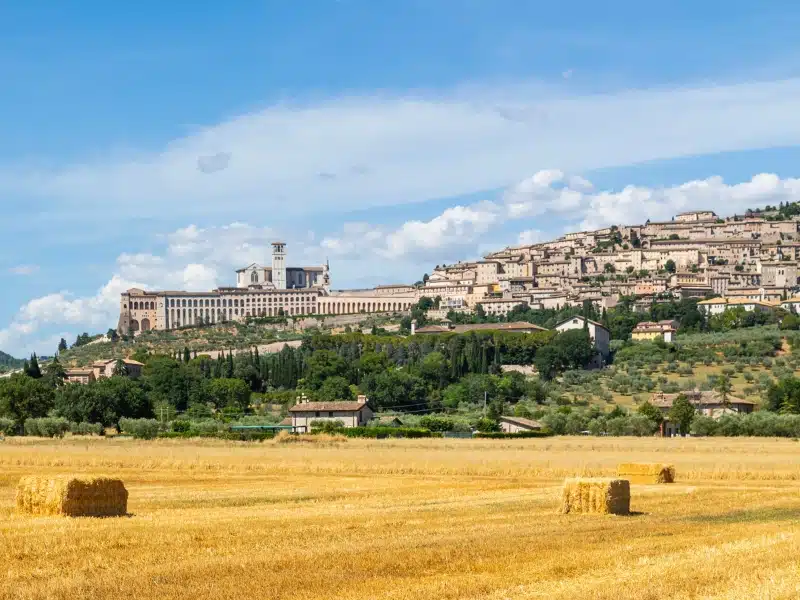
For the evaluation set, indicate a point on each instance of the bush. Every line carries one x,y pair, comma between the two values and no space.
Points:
703,426
436,423
205,428
501,435
327,426
143,429
86,428
381,432
181,426
7,426
47,426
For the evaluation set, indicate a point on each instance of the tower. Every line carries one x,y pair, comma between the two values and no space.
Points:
326,276
279,265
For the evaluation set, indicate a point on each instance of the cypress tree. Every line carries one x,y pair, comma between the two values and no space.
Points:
32,369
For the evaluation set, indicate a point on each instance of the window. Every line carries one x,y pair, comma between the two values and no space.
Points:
330,414
316,414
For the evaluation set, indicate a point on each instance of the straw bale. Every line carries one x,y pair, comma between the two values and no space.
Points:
72,496
597,495
647,472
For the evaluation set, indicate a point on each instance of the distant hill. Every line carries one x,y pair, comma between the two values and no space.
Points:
8,362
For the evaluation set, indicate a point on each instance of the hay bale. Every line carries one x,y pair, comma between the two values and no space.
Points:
647,472
597,495
72,496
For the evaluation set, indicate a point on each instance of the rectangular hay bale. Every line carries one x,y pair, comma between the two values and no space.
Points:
72,496
647,472
596,495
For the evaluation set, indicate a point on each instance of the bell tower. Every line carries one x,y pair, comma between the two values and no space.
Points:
279,265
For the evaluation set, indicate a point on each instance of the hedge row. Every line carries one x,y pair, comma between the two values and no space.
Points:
387,432
499,435
46,427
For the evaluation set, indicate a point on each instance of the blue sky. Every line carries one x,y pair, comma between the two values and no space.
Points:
163,144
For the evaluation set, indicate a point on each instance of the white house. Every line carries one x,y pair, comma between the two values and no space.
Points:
350,414
597,332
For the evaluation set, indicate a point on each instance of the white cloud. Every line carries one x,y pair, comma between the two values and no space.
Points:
24,270
530,236
193,259
637,204
367,151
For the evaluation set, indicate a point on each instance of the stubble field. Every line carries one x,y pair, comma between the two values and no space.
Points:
407,519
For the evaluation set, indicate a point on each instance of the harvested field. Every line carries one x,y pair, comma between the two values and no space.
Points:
403,519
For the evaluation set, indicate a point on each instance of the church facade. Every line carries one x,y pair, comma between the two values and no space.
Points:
259,292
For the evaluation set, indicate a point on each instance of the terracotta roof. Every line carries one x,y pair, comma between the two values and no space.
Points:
327,406
522,422
286,421
696,397
78,371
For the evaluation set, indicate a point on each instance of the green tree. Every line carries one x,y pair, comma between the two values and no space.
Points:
120,370
651,412
323,364
105,401
724,387
54,373
335,388
233,393
32,368
22,397
670,266
682,413
62,345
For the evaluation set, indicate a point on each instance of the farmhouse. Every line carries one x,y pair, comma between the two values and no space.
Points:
518,424
350,414
707,403
102,369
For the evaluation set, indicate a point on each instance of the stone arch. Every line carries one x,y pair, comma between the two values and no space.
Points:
134,325
254,277
145,324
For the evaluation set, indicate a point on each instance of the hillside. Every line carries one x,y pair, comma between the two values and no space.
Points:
209,339
8,362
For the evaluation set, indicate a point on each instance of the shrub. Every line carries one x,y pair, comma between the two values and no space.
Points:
181,426
500,435
86,428
381,432
47,426
207,427
704,426
144,429
327,426
436,423
6,426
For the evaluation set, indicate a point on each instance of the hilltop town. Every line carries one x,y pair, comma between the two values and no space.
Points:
742,258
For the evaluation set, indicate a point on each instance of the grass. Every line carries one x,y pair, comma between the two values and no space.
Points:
401,519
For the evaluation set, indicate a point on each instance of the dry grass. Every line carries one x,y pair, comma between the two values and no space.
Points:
403,519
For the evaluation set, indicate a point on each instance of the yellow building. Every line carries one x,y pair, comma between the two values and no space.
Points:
647,330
